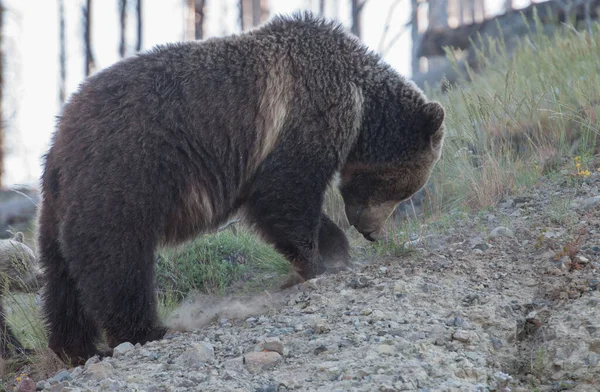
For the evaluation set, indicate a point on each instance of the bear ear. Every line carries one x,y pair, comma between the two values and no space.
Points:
431,118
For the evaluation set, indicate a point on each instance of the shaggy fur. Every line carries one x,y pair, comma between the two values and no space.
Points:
171,143
18,273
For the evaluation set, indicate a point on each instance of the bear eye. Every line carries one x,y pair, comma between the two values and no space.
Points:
359,211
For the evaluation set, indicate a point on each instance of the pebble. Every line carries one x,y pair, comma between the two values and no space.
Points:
196,356
386,349
501,232
123,349
63,375
262,360
464,336
271,344
590,203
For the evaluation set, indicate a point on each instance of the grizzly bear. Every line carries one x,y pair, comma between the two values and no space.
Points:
169,144
18,273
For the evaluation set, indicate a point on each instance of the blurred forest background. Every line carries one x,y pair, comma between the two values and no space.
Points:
50,46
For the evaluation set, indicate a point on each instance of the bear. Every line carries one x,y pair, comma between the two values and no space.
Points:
172,142
19,272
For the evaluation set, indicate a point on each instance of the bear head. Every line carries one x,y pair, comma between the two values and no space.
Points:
396,165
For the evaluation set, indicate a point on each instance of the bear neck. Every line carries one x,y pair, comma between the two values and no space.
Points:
386,134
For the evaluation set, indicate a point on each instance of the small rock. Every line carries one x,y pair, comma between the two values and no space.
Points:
378,315
263,360
386,349
40,385
383,270
360,283
63,375
496,343
196,356
320,349
590,203
123,349
413,243
582,259
481,246
270,344
501,232
464,336
99,371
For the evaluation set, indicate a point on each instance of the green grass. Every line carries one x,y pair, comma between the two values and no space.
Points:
521,113
217,263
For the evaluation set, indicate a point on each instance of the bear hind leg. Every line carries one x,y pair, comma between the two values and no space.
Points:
72,333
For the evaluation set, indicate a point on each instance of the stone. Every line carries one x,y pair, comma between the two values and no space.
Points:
590,203
123,349
260,361
386,349
464,336
99,371
271,344
63,375
196,356
501,232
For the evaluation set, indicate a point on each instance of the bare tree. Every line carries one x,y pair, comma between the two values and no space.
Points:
190,16
241,14
356,9
199,18
123,21
138,44
87,38
62,54
438,13
252,13
322,7
415,36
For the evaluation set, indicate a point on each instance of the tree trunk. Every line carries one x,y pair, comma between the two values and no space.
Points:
415,37
199,18
322,7
438,14
138,44
256,13
62,84
87,37
508,5
241,14
356,8
190,22
123,21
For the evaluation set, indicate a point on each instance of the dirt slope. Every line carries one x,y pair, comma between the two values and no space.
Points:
485,303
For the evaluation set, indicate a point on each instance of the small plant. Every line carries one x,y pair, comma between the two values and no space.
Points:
581,173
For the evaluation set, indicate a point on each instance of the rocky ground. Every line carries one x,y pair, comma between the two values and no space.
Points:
502,300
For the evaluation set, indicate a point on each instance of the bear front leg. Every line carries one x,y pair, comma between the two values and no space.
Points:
285,204
334,248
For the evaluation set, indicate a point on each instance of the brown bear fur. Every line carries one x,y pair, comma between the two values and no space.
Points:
169,144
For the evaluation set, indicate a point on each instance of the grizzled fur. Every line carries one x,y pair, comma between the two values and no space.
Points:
168,144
